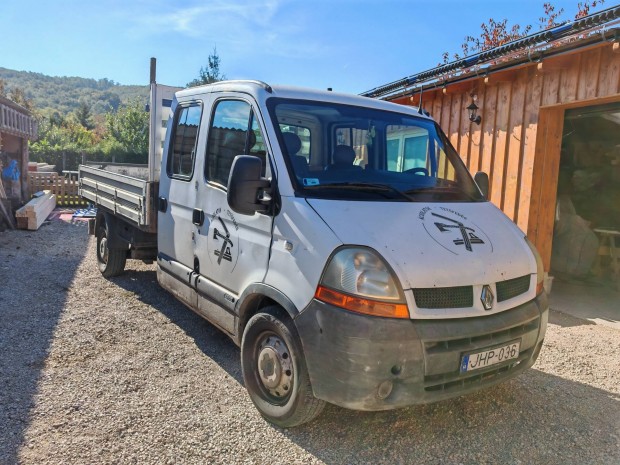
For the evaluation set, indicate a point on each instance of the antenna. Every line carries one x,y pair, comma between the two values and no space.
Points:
420,105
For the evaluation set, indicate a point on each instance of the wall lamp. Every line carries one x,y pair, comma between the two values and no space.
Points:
472,109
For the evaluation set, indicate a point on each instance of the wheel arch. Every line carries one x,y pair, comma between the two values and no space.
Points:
256,297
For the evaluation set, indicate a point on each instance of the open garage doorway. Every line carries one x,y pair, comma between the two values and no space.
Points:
585,258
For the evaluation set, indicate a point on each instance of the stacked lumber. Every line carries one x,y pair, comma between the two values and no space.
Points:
32,215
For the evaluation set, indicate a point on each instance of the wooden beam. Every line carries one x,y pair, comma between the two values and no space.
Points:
459,88
615,47
32,215
501,76
555,63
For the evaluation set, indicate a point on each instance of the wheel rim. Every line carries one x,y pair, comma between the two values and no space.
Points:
103,249
274,367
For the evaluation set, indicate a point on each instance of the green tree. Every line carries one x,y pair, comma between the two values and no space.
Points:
128,128
211,73
83,115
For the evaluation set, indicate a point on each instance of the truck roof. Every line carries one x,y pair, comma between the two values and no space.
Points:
262,91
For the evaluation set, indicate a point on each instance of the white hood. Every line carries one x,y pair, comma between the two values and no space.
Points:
434,244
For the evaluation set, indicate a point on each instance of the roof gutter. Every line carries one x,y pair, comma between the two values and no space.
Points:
539,39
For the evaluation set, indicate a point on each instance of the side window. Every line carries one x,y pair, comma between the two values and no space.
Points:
228,137
183,142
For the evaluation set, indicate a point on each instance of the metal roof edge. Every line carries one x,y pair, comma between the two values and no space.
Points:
548,37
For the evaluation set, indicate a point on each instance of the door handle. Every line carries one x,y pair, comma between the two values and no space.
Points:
198,217
162,204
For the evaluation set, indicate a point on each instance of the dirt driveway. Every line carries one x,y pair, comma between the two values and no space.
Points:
97,371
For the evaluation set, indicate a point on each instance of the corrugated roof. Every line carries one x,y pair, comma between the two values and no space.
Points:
536,41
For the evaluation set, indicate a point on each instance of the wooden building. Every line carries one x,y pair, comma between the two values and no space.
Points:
523,95
17,127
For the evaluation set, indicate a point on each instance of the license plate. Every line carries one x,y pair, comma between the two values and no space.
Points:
490,357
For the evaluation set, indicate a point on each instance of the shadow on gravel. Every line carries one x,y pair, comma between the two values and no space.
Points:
565,320
536,418
36,272
209,339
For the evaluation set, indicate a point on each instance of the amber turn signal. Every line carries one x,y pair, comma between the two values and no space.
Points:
359,305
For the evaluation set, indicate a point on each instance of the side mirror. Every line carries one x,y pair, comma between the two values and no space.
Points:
246,185
482,179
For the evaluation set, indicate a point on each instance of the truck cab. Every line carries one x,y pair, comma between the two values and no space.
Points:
342,243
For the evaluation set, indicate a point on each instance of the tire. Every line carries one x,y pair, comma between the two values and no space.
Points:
111,262
274,370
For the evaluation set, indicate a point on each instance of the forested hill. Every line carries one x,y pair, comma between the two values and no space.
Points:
64,95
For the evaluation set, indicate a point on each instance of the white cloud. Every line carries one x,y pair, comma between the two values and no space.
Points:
240,26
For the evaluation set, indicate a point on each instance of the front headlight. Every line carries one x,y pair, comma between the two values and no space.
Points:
540,271
357,279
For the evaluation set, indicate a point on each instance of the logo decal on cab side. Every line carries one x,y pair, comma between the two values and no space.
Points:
223,243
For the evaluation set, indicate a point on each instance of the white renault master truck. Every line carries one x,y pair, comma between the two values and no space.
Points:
342,243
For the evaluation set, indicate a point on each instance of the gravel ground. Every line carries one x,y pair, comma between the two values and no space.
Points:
97,371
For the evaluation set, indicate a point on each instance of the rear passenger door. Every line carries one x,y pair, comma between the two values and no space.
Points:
177,196
232,250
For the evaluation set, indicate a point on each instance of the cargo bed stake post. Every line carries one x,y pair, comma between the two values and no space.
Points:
152,103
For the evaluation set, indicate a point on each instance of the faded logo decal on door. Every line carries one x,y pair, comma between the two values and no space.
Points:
454,231
223,240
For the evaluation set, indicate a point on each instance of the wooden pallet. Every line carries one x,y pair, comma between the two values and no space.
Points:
65,188
32,215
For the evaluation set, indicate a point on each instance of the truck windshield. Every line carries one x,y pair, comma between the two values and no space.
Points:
347,152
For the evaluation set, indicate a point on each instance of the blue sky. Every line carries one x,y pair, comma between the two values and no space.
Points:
349,45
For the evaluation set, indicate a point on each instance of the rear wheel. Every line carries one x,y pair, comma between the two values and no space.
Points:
111,261
274,370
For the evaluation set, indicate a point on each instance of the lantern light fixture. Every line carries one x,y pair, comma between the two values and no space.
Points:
472,109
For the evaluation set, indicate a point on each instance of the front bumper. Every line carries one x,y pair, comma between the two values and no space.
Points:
354,360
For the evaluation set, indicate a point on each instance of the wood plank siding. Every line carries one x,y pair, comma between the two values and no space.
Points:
519,139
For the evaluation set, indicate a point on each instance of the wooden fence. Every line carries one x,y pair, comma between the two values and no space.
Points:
65,188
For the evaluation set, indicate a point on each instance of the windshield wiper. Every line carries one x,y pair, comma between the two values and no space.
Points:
361,186
440,190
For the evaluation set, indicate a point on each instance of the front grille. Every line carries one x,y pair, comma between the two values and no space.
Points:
447,383
512,287
481,340
444,297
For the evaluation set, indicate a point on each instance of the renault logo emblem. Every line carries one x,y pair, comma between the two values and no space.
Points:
487,297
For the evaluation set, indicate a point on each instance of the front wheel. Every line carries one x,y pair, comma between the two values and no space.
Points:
274,371
111,262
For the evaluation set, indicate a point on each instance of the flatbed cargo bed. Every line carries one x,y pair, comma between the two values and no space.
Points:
131,198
